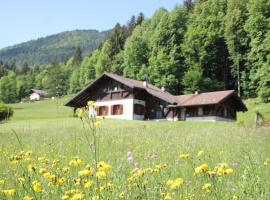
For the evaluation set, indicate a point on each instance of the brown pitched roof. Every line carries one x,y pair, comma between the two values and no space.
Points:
151,89
82,97
207,98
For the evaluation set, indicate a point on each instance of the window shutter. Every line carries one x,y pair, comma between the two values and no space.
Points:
121,109
112,111
106,110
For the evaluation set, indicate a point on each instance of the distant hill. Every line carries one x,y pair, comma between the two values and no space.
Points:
45,49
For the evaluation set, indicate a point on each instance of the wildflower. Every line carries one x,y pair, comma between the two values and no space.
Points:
84,173
2,182
122,195
234,164
88,184
78,196
43,159
90,103
207,187
201,168
184,155
234,197
21,181
65,197
36,186
228,171
28,153
97,123
42,170
267,161
104,166
55,162
159,167
129,157
200,153
28,198
173,184
75,162
95,197
60,181
9,192
222,168
66,169
100,174
168,197
81,113
31,168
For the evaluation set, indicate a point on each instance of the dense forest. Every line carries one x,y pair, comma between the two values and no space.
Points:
202,45
61,45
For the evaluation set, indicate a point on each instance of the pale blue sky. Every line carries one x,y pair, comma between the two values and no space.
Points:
23,20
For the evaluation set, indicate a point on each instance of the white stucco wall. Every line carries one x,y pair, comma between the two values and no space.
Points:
128,105
34,96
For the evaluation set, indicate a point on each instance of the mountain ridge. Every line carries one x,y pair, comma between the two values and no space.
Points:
61,45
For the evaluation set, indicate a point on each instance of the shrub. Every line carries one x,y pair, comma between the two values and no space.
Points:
5,112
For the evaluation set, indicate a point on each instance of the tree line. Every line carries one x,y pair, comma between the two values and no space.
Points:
202,45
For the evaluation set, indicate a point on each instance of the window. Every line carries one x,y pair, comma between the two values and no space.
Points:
102,110
200,111
138,109
117,109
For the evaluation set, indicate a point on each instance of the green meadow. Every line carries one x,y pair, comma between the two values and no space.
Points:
45,155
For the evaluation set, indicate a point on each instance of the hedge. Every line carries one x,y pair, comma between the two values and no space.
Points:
5,112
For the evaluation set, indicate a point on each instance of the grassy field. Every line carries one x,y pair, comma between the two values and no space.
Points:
143,159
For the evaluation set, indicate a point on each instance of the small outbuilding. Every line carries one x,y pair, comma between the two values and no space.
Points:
36,95
123,98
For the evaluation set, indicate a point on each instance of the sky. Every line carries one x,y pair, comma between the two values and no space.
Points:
23,20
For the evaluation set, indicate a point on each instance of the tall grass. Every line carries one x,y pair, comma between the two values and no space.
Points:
58,136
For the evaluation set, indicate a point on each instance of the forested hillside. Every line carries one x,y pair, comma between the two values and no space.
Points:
203,45
62,46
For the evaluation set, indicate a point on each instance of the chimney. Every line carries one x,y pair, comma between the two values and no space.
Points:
145,83
196,92
163,89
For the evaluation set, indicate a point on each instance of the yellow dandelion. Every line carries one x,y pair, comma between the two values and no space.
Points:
97,123
81,113
85,172
104,166
207,187
2,182
31,168
60,181
88,184
65,197
267,161
28,198
95,197
201,168
78,196
36,186
90,103
122,195
100,174
200,153
66,169
173,184
234,197
9,192
21,181
184,155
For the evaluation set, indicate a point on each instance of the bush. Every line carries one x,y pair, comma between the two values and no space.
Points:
5,112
